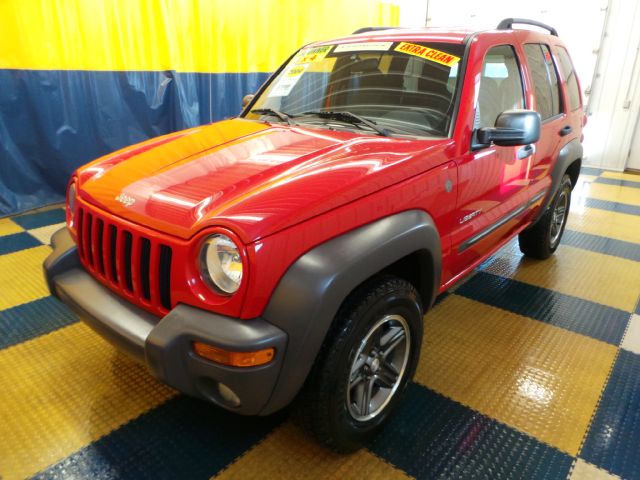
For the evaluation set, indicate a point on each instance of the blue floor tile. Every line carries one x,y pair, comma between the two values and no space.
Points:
434,437
40,219
613,442
565,311
606,245
183,438
590,171
17,241
612,206
33,319
620,183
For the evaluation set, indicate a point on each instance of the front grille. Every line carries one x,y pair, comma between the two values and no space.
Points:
137,266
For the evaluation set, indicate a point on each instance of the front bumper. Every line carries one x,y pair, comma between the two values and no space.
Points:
165,345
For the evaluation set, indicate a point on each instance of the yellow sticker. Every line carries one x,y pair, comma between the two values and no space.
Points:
296,70
432,54
313,54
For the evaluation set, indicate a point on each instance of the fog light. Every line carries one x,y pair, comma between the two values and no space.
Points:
228,395
234,359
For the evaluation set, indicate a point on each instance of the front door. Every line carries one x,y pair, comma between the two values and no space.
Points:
492,180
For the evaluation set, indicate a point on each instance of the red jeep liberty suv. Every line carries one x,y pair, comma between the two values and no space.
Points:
294,250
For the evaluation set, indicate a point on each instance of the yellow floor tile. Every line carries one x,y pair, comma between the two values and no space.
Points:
573,271
619,226
43,234
632,177
540,379
7,227
585,471
60,392
613,193
291,453
21,277
631,340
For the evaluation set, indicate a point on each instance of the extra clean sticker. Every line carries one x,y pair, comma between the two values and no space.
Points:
363,47
427,53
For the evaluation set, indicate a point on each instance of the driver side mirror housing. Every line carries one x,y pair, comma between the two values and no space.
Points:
246,100
513,128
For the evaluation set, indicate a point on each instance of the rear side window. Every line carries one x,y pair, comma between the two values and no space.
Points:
569,75
500,86
545,79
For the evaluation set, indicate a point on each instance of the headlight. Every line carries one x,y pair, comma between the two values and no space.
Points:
221,263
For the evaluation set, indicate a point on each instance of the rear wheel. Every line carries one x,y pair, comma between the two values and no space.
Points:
364,366
542,239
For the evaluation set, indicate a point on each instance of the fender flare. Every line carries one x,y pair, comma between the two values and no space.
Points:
310,293
568,154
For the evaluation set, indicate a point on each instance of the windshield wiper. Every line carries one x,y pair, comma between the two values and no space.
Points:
276,113
344,116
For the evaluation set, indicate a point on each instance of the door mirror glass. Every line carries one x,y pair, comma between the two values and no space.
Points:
513,127
246,100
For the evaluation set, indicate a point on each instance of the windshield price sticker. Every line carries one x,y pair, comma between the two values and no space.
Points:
427,53
311,55
363,47
288,80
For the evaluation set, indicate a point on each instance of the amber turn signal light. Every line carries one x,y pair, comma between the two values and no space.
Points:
234,359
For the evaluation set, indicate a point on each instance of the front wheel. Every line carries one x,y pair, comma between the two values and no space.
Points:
369,356
542,239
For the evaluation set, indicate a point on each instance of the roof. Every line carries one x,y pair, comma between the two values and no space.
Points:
444,35
449,35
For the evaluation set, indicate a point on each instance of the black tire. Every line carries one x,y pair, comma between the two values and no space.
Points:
383,303
541,240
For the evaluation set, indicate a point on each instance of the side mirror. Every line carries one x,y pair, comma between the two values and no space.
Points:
246,100
513,127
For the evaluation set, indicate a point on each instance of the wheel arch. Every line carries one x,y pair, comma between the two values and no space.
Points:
573,170
312,290
569,161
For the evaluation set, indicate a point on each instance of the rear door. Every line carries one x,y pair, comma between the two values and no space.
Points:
547,100
493,180
572,105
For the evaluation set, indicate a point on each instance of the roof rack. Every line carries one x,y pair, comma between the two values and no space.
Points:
507,24
371,29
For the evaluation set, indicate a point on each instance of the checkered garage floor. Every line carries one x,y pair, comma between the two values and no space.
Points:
529,370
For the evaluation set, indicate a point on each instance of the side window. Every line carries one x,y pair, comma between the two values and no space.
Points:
569,75
500,86
545,79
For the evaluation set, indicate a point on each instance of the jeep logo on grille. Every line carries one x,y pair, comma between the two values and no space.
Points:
125,199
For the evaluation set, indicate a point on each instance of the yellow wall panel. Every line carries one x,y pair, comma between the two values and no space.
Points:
183,35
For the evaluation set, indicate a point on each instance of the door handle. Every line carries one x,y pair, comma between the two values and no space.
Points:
566,130
526,151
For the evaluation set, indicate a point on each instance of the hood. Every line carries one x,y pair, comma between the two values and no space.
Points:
252,177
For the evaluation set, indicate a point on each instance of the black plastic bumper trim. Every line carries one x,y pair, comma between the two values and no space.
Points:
165,345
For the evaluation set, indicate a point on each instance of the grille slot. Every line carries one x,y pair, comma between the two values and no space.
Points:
145,258
99,242
165,276
138,266
113,239
126,260
87,235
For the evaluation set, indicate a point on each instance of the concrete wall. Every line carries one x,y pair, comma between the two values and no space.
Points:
615,104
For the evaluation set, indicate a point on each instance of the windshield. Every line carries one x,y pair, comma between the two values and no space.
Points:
402,87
